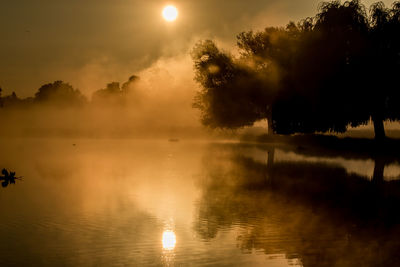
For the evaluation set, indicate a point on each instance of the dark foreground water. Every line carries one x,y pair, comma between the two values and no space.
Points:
160,203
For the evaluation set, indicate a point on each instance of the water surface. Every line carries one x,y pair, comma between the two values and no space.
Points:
187,203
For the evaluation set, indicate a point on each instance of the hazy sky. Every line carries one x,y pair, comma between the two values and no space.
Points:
89,42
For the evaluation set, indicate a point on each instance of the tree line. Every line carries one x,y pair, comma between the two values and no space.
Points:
62,94
321,74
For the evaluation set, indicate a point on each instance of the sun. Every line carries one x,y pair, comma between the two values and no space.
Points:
168,240
170,13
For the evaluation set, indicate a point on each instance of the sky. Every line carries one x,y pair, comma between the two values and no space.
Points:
92,42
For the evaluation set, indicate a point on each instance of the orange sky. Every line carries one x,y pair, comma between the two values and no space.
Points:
46,40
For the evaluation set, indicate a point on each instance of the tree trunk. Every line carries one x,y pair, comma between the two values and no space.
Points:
271,156
378,128
378,170
270,164
270,129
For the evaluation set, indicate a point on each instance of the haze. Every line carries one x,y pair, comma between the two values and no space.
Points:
222,133
91,43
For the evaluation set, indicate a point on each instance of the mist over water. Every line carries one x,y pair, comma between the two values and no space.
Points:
115,202
127,140
157,105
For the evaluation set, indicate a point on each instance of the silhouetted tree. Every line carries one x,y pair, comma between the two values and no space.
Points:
13,101
127,87
269,54
263,70
384,64
114,94
59,94
324,89
112,90
321,74
233,94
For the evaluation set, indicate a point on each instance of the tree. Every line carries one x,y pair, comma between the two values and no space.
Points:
384,67
324,89
113,94
269,54
238,92
127,87
12,101
233,94
321,74
59,94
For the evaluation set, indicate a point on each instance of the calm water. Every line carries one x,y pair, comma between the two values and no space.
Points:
160,203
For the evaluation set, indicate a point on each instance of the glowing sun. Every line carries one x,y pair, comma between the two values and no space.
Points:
170,13
168,240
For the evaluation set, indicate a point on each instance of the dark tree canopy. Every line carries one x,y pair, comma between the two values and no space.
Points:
114,94
13,100
112,90
233,94
324,88
322,74
59,94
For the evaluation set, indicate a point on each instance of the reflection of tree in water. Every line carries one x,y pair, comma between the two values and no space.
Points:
312,211
8,178
382,153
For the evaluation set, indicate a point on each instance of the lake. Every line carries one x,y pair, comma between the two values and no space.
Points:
126,202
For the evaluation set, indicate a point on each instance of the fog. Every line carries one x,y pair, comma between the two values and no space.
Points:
108,160
157,104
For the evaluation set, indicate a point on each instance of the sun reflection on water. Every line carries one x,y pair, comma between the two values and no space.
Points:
168,240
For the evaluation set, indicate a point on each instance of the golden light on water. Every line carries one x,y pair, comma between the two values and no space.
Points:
168,240
170,13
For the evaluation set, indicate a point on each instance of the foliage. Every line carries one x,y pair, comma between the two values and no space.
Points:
113,94
220,102
59,94
322,74
233,94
